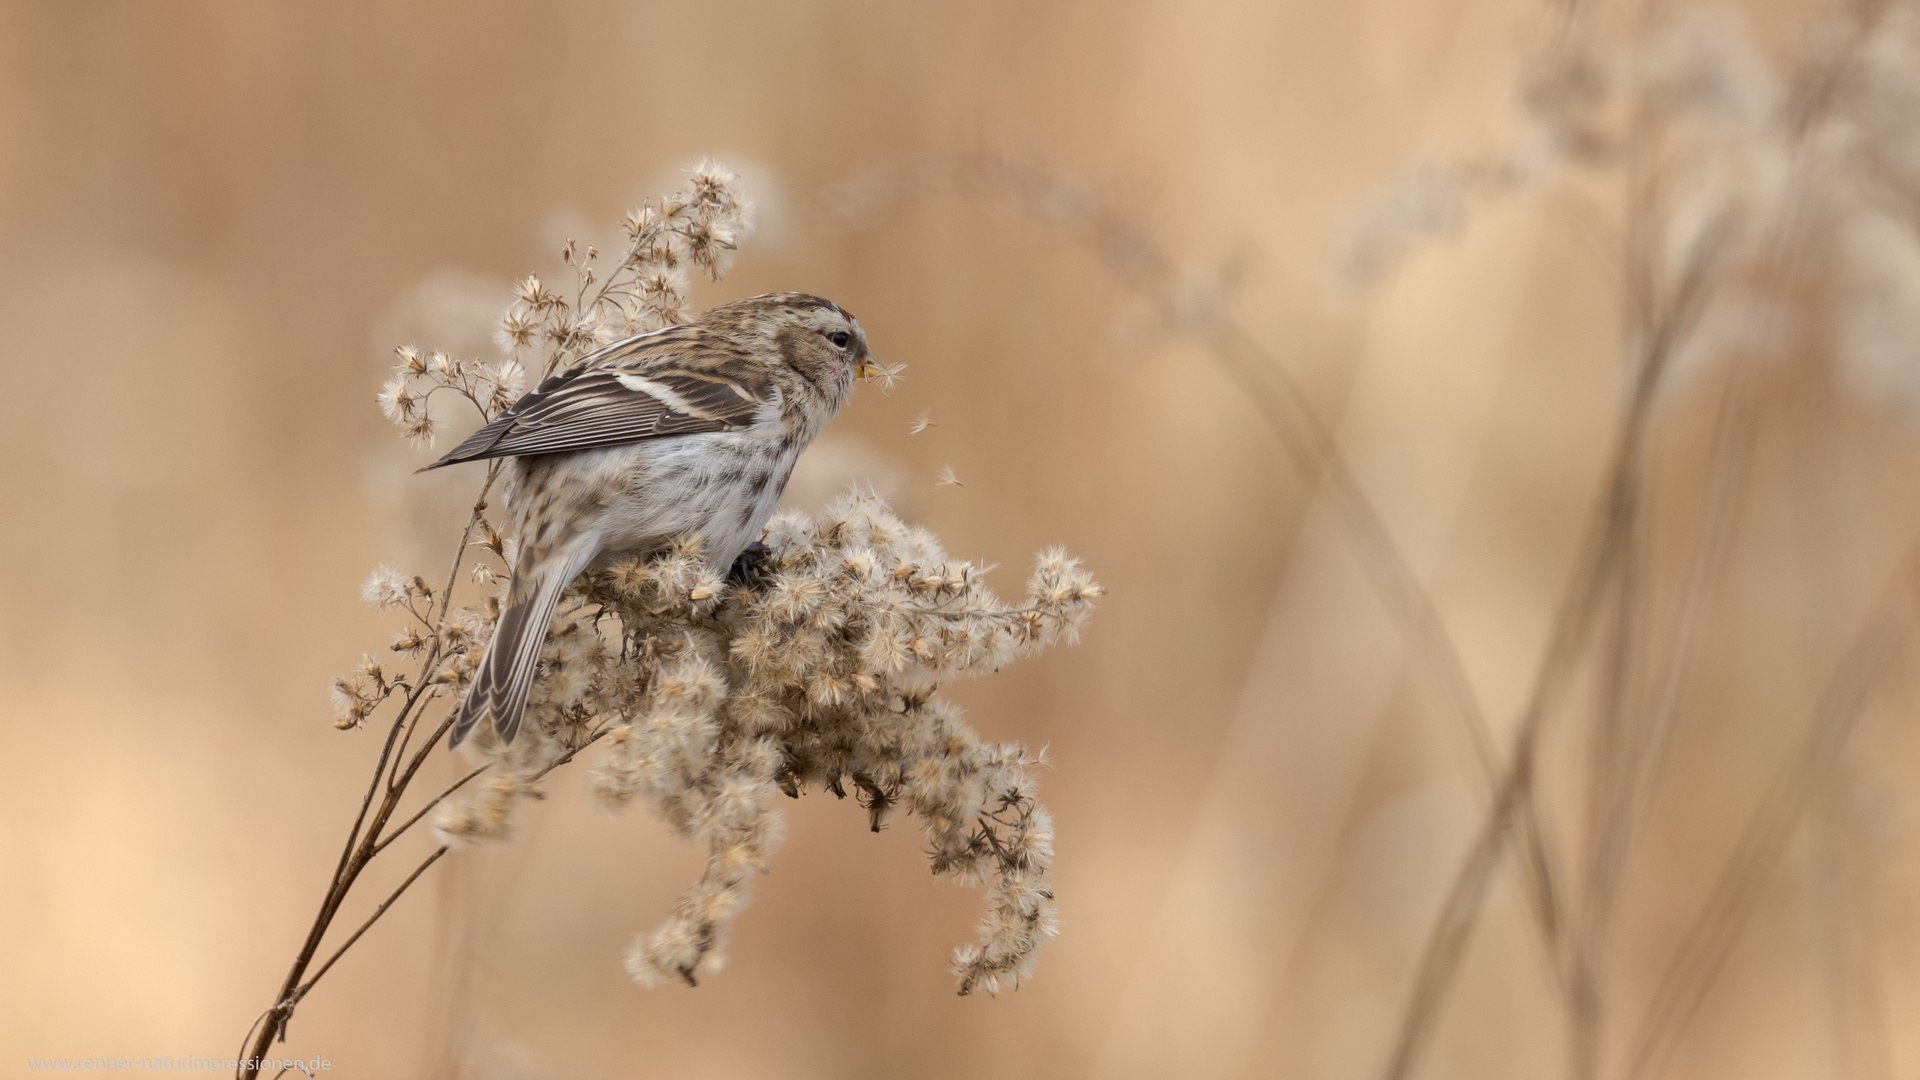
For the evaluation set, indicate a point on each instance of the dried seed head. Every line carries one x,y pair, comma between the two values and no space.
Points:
712,698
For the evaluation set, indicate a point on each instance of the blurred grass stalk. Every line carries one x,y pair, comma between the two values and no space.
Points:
1748,211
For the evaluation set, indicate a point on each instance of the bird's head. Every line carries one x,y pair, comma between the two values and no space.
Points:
816,339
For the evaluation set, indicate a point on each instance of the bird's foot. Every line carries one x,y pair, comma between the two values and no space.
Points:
751,566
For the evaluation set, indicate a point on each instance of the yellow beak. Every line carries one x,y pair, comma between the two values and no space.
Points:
866,366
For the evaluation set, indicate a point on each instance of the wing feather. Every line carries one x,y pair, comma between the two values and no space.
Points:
654,385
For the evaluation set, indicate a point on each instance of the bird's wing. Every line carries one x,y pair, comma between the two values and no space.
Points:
630,391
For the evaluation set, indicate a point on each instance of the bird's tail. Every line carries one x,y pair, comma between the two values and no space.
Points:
505,676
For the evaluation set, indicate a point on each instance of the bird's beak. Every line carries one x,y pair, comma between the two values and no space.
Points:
866,366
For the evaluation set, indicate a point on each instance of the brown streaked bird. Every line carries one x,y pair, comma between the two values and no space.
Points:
688,431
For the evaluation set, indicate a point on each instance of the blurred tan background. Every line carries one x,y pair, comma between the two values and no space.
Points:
215,218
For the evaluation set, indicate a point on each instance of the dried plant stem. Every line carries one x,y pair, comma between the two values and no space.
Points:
1595,576
1312,445
1630,749
1857,1018
1716,928
1642,751
429,861
360,849
393,772
401,829
1447,940
371,919
1628,752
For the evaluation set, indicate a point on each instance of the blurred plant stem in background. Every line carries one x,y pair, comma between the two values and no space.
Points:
1735,189
1739,196
1195,306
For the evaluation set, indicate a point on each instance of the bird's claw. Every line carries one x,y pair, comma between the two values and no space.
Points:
751,566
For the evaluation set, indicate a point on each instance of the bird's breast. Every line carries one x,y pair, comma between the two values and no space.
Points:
721,486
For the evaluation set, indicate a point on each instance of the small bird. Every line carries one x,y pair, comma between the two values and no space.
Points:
690,430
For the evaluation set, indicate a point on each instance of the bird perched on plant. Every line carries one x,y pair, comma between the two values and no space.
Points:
688,431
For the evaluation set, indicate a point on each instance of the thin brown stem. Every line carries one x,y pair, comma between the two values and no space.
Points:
1713,932
294,999
466,536
1642,752
251,1028
388,805
571,754
277,1016
362,839
1597,574
1632,749
1447,939
407,738
401,829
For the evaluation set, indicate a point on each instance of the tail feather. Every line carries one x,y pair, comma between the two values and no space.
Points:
505,676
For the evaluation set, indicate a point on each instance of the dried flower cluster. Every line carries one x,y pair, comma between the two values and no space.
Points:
700,228
710,698
821,675
417,378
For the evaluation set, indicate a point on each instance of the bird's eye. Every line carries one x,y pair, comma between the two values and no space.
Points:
839,337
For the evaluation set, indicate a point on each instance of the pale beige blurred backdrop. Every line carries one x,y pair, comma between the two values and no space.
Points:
215,218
